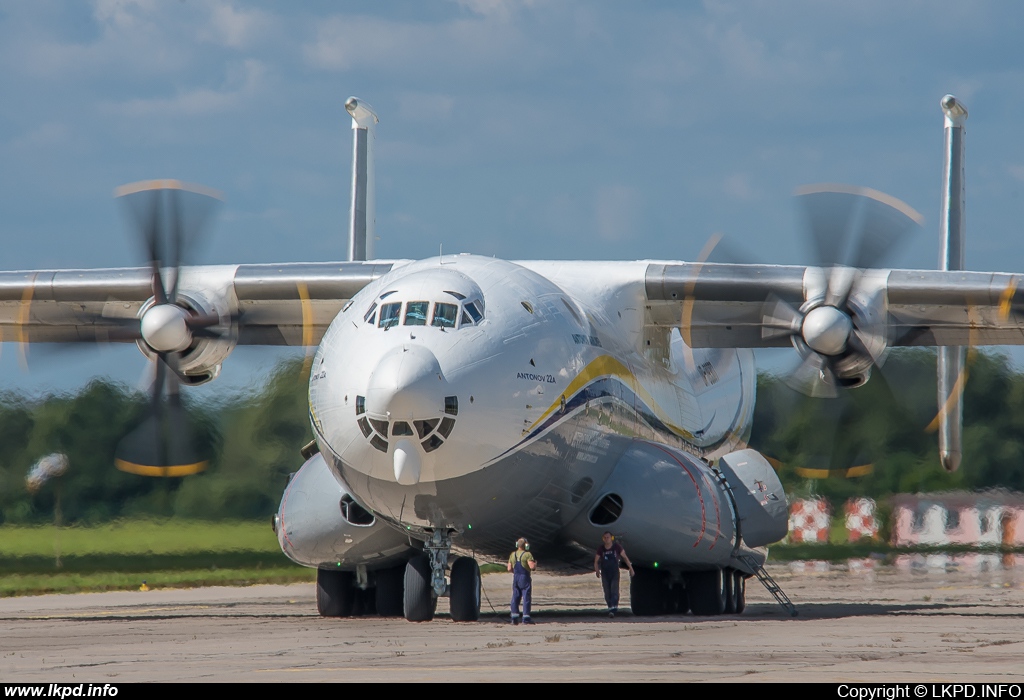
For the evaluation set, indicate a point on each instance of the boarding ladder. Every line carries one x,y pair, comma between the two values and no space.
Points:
769,583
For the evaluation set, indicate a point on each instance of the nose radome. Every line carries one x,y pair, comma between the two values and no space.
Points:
407,384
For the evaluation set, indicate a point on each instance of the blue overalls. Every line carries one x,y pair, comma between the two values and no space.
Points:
522,588
610,577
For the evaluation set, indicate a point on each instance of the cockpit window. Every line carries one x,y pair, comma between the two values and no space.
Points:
369,314
416,313
474,311
466,320
389,314
445,315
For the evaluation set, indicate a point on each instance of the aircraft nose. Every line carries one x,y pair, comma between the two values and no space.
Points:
407,384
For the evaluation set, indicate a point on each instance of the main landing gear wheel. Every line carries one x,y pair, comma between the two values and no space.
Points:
365,602
419,599
464,594
729,579
335,592
741,591
649,593
679,601
390,591
707,592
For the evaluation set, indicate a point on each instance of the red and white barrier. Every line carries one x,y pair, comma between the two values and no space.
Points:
809,521
861,522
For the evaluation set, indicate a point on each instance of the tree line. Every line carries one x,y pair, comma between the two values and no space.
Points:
871,441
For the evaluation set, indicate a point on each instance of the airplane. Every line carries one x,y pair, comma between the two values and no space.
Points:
461,402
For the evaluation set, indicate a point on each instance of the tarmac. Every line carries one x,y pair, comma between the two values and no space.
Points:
922,620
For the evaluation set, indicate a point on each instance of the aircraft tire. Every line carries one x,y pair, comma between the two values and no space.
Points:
741,591
365,602
729,581
707,592
648,593
390,591
464,596
419,602
679,599
335,592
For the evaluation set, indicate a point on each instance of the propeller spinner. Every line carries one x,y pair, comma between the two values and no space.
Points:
840,330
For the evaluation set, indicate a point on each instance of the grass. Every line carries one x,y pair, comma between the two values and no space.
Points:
68,582
169,553
169,536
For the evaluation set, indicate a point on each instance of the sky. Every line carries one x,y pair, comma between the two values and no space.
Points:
526,130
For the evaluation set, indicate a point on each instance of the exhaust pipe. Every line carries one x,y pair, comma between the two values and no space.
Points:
952,223
362,222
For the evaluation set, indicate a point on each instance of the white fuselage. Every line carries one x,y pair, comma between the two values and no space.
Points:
491,397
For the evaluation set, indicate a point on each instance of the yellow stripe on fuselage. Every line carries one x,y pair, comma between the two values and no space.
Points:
608,366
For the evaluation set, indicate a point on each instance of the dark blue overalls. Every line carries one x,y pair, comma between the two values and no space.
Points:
610,577
522,587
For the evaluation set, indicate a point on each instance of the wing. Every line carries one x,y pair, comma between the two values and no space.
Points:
745,305
283,304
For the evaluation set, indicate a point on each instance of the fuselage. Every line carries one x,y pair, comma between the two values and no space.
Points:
493,399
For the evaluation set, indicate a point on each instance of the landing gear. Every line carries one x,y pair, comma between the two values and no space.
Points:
703,593
679,599
649,592
729,579
740,588
707,591
419,601
389,592
437,548
464,594
335,592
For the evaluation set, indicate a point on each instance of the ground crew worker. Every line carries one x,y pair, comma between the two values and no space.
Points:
606,566
521,563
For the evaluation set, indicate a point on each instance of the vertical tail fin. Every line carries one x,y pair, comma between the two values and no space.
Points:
362,223
951,365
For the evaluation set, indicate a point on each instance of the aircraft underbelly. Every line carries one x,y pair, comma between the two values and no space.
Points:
546,484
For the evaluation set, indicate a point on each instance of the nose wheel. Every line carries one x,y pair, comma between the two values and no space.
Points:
419,601
425,582
464,593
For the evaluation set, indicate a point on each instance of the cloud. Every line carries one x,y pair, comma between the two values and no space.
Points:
737,186
43,136
420,106
615,210
503,9
467,45
243,79
234,27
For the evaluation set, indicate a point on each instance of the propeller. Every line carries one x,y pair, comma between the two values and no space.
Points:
167,215
840,330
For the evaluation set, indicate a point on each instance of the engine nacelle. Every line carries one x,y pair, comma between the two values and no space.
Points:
672,510
319,524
